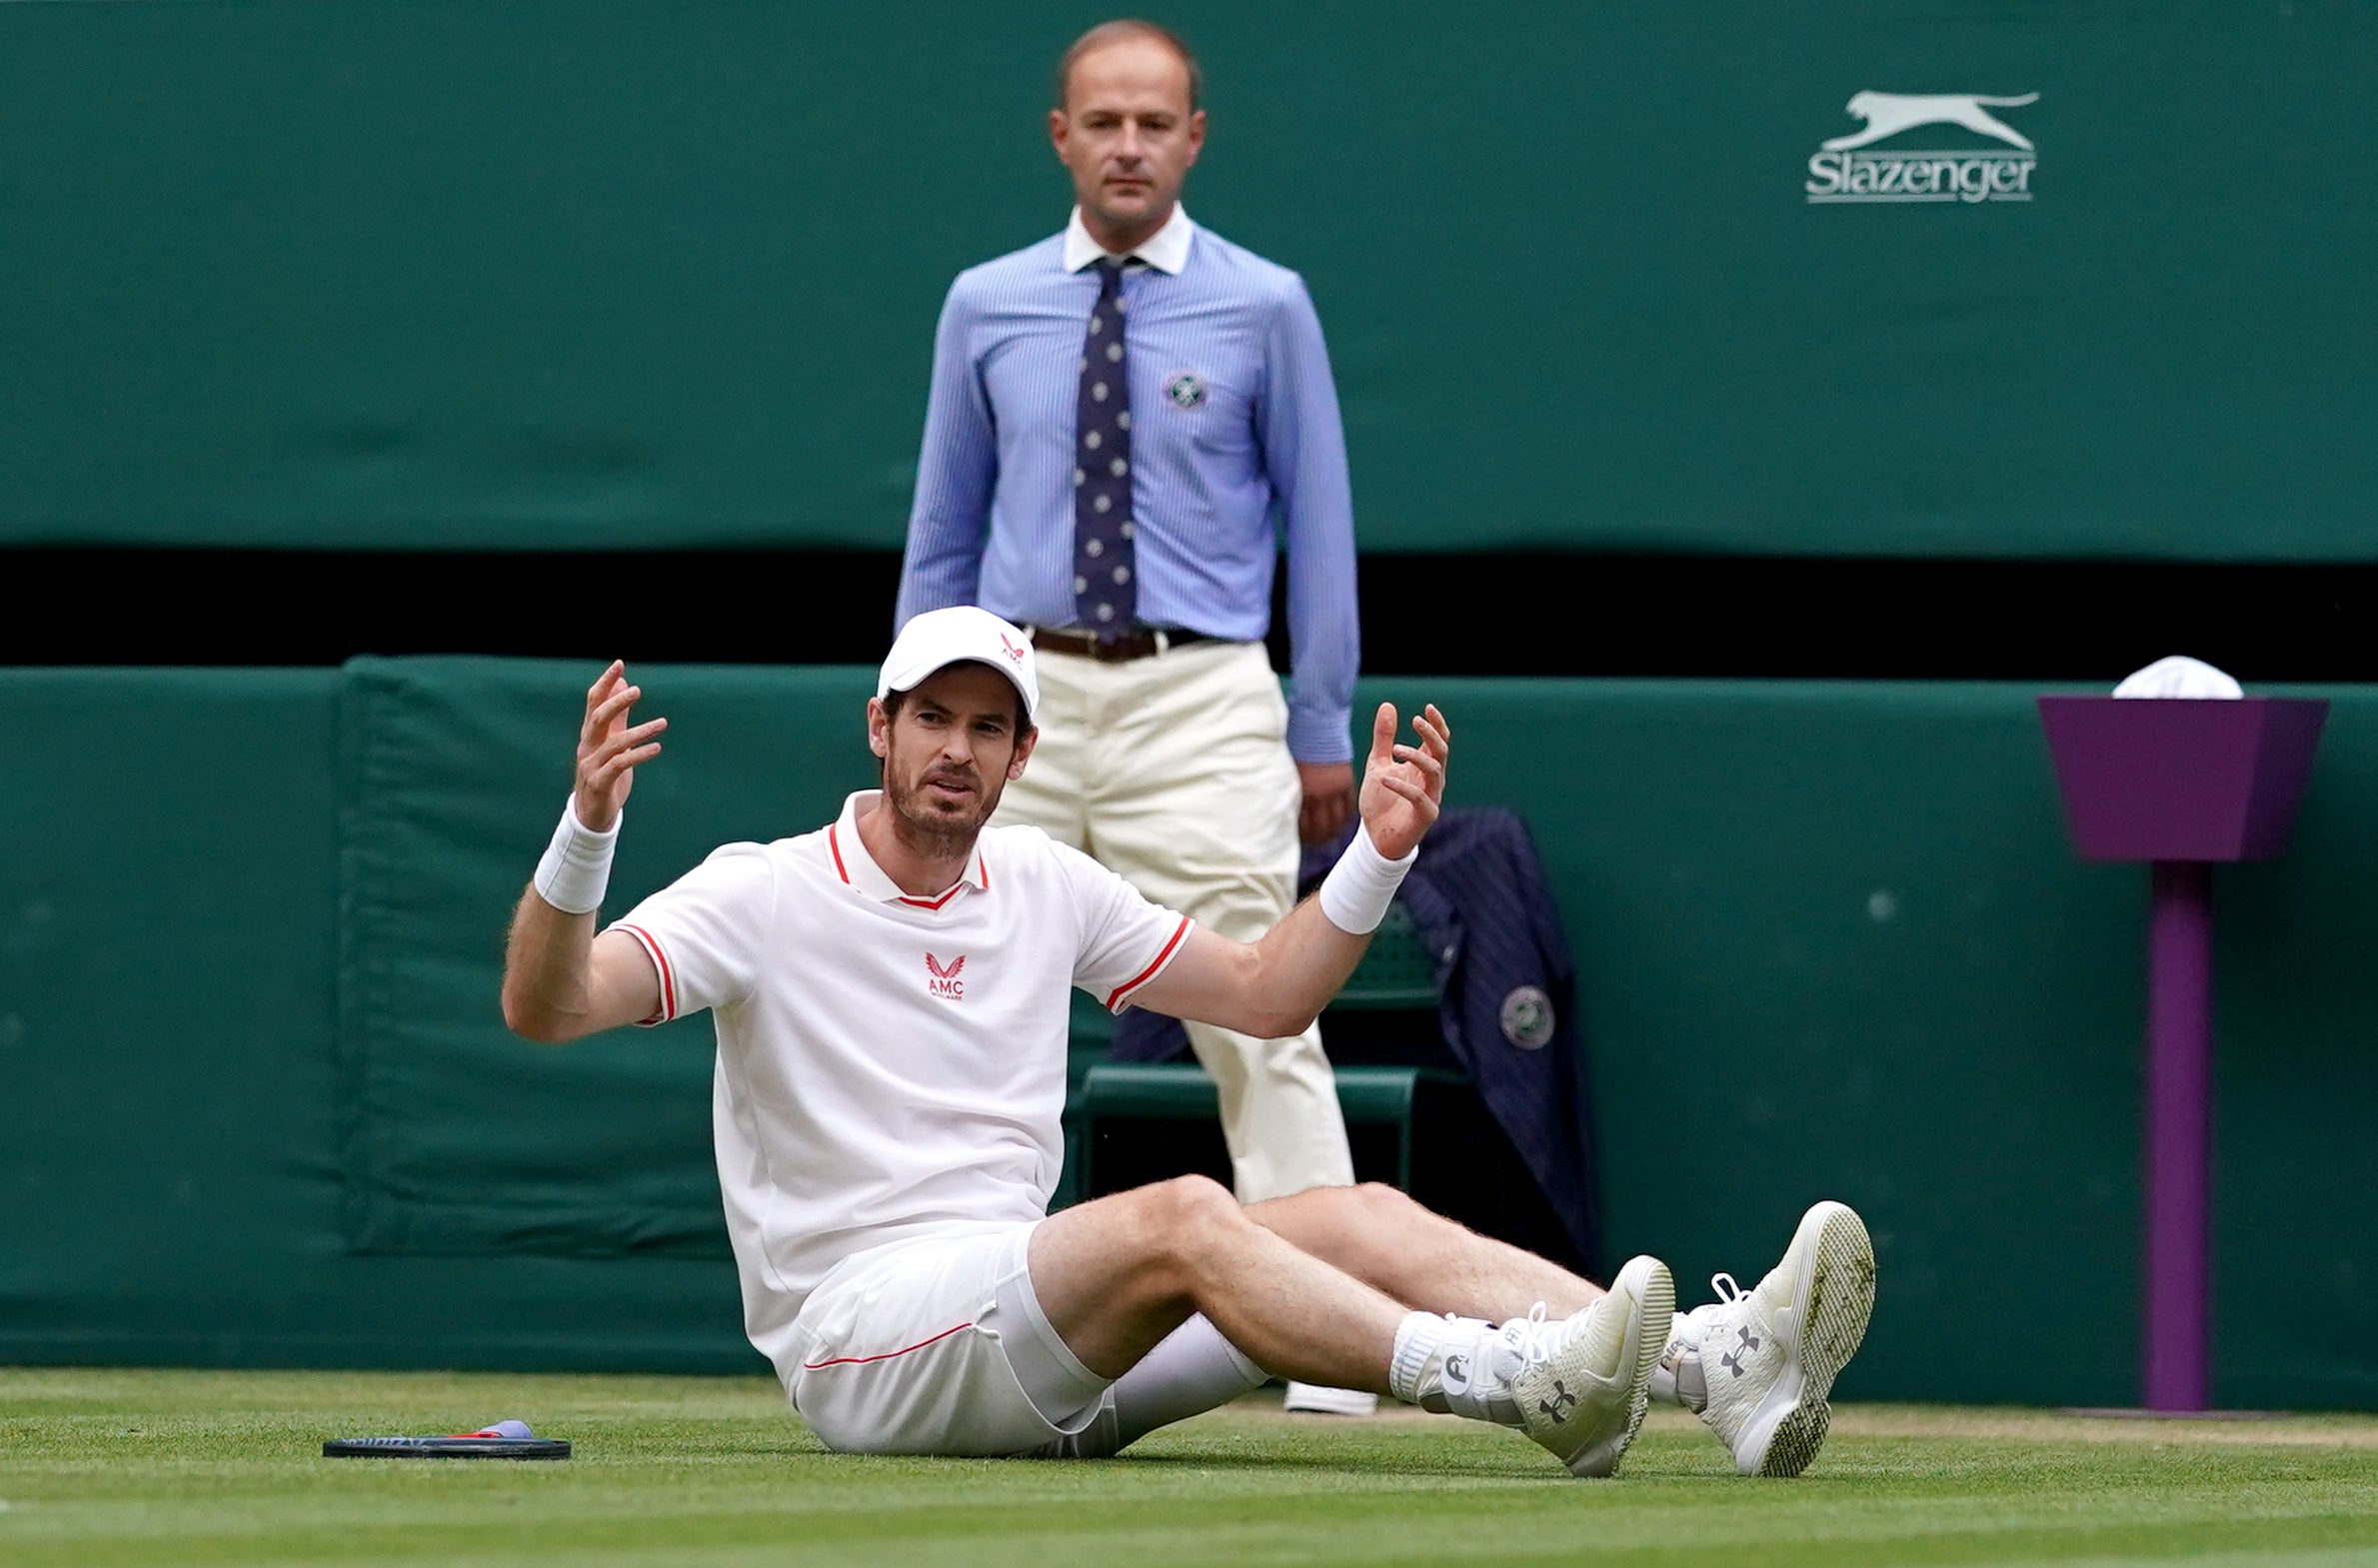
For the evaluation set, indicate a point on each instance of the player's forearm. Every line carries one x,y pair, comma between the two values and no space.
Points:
547,995
1301,966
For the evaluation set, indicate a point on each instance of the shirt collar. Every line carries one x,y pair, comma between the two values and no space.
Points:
1167,250
859,868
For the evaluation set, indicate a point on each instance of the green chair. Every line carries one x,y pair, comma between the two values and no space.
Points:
1397,974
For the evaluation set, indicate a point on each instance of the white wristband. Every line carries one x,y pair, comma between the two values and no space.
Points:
1356,892
576,864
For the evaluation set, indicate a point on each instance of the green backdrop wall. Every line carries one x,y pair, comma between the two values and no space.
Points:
464,274
257,1106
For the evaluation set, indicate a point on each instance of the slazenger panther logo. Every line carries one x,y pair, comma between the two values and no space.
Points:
1887,113
944,982
1843,172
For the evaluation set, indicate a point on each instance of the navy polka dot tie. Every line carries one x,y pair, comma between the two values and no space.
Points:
1106,599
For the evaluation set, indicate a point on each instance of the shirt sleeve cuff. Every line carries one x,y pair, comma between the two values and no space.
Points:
1320,735
1120,996
661,966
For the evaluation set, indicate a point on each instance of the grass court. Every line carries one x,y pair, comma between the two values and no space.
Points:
128,1469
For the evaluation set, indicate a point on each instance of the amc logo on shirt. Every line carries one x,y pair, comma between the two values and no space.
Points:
944,982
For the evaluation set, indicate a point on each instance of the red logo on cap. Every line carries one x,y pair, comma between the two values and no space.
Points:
1016,653
944,982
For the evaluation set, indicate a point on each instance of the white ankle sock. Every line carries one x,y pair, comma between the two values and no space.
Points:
1418,1338
1190,1371
1678,1378
1448,1365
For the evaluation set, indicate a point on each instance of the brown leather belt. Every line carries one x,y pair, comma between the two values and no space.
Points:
1142,644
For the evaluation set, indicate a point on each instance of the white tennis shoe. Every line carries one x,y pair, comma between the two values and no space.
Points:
1579,1384
1758,1364
1316,1399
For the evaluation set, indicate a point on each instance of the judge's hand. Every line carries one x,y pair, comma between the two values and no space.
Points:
609,748
1329,800
1403,785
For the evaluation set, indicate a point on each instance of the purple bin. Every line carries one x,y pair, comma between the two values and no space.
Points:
2181,779
2180,782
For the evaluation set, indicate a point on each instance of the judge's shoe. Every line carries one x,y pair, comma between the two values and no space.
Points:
1318,1400
1758,1364
1582,1390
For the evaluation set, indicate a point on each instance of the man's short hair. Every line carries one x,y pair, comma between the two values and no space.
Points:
1115,32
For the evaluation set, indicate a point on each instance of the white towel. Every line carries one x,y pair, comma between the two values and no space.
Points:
2179,676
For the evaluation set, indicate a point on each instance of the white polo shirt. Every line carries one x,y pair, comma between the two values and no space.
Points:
887,1065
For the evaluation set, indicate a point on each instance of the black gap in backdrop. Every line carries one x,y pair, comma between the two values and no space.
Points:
1481,615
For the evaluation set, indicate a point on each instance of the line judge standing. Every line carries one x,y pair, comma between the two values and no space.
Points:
1127,421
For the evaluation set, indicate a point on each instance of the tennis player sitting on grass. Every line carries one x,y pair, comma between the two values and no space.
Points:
891,1001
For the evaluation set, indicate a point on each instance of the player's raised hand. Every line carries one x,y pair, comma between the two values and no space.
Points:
1403,785
608,748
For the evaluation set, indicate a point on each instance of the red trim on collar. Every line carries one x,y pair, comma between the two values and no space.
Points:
834,845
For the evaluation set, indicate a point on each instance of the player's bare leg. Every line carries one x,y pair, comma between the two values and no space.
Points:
1420,1257
1115,1276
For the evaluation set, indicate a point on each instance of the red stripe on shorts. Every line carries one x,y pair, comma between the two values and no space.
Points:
811,1366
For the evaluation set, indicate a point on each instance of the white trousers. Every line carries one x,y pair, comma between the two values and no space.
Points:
1174,771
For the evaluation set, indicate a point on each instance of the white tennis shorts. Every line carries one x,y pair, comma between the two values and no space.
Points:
929,1346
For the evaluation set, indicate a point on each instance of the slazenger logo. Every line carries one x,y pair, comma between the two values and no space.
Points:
944,982
1841,171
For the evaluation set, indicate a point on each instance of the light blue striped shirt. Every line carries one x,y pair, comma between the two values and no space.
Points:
1236,443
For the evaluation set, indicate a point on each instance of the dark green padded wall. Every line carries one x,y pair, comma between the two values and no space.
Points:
1831,939
260,1108
168,1087
448,772
463,274
169,917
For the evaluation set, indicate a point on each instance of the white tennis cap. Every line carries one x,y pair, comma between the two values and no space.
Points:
961,634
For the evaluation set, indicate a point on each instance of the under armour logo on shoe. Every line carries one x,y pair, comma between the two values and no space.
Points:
1562,1402
1733,1360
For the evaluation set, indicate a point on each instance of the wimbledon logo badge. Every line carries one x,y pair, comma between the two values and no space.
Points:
1843,171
